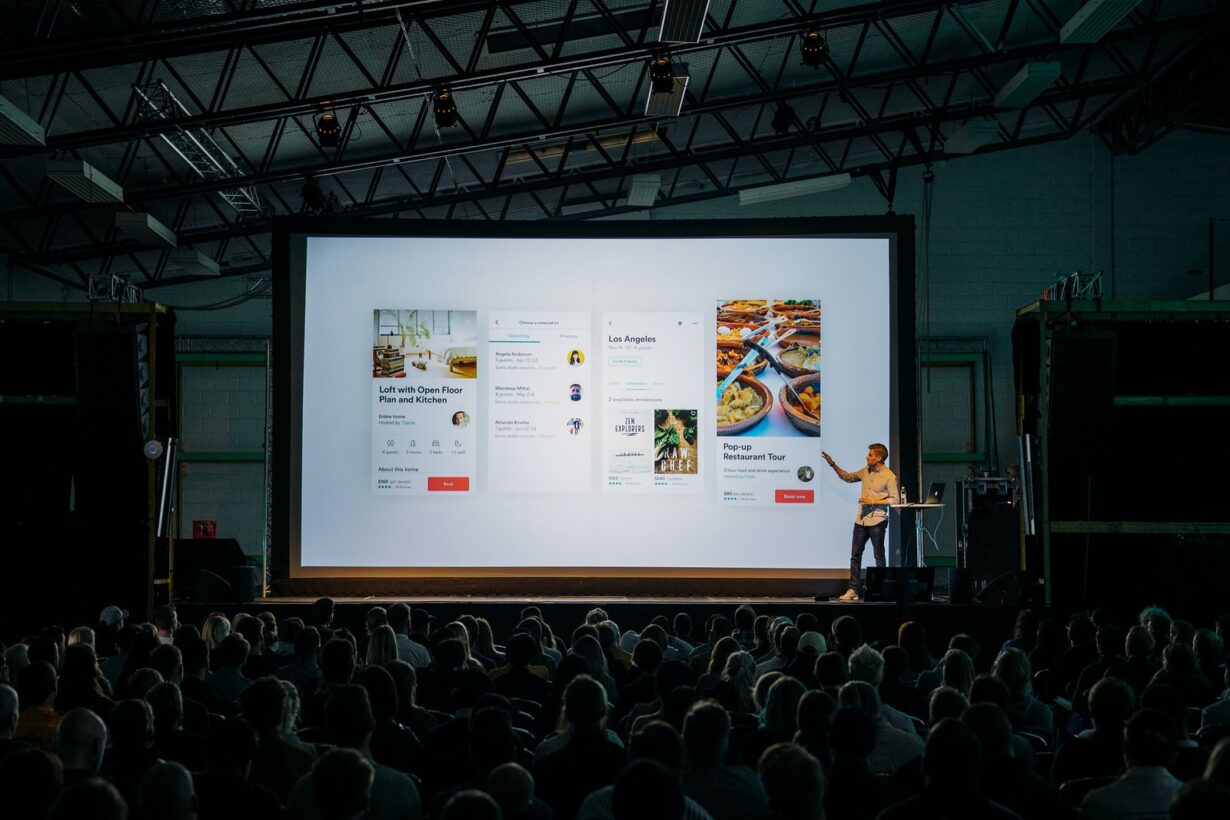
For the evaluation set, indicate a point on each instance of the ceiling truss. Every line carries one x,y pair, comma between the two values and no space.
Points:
550,126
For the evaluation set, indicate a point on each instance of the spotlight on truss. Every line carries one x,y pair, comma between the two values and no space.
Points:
814,49
445,109
662,75
328,130
783,118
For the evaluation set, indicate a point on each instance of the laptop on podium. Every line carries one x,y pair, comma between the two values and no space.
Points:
935,493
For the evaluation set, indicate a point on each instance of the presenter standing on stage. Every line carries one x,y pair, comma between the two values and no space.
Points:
879,490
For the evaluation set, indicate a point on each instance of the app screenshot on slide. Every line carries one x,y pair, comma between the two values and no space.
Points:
424,401
539,402
654,401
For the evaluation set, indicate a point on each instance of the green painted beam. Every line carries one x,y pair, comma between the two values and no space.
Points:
941,560
221,457
1172,401
955,458
950,358
220,359
1140,527
40,400
1116,310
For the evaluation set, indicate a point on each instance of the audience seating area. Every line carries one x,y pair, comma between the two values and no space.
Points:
734,717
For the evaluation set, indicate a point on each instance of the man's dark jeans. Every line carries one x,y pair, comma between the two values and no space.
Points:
861,536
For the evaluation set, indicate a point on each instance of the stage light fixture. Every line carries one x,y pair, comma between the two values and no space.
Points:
328,130
662,76
783,118
814,48
445,109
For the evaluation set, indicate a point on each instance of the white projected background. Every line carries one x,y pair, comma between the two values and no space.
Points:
345,524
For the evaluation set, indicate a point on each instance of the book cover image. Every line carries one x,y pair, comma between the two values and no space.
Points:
628,443
674,442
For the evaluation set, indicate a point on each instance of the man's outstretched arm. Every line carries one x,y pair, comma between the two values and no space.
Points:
849,478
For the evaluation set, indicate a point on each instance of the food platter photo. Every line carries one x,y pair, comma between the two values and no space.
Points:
742,405
728,359
806,415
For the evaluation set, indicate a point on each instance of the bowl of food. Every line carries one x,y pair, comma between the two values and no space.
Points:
795,307
728,359
800,324
804,411
732,335
799,359
756,306
742,406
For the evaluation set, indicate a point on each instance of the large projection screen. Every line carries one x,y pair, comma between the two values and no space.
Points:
553,401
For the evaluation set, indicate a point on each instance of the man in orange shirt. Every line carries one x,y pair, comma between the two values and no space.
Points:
38,720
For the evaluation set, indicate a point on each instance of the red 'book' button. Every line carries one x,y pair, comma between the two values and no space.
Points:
448,484
794,496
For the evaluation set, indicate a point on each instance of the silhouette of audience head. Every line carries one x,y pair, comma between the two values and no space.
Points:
341,782
794,782
646,790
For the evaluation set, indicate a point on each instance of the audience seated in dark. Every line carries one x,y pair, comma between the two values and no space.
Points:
277,762
1179,670
517,678
1027,713
475,740
1139,667
1006,779
726,792
409,713
952,770
38,718
512,788
893,747
1098,752
167,794
793,782
392,795
1190,756
1110,643
223,791
657,741
854,792
1150,743
93,798
30,780
589,760
897,688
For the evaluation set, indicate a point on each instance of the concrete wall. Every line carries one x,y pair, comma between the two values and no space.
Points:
1003,227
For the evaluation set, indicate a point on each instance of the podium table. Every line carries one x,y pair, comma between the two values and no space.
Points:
918,509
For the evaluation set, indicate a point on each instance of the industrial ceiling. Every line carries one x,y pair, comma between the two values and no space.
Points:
136,134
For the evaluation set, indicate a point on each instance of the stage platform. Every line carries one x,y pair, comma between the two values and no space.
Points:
991,626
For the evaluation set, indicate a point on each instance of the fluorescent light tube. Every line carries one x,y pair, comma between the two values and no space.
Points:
1027,84
1094,19
798,187
84,181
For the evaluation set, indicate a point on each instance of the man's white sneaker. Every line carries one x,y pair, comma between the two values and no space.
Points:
850,595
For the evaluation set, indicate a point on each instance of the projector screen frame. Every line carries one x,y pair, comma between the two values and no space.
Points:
289,270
